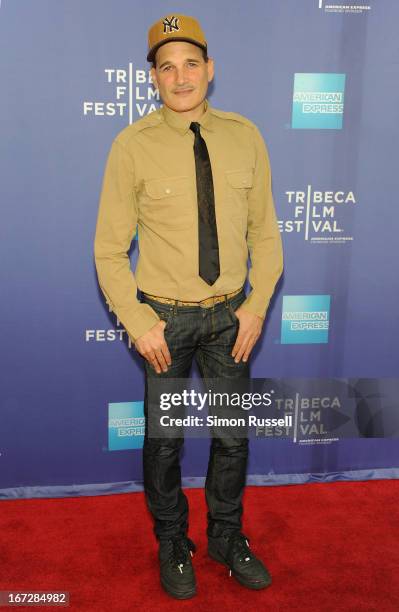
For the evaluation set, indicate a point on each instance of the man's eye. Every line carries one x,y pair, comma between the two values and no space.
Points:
166,68
192,64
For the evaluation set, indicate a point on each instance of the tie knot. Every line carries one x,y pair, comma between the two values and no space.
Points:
195,127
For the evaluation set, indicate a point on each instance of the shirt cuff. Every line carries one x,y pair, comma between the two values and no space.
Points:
256,304
140,322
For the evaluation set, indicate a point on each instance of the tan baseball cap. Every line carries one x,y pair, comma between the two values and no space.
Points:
174,27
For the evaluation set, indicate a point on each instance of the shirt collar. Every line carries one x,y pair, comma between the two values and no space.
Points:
179,122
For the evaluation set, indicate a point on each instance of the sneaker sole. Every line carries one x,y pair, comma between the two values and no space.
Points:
251,585
178,594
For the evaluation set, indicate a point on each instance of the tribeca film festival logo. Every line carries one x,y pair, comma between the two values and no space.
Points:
125,425
319,215
318,101
305,319
316,419
109,335
133,95
343,7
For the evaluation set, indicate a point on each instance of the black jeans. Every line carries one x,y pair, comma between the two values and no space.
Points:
208,335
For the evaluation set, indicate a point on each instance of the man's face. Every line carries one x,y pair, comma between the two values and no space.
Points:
182,75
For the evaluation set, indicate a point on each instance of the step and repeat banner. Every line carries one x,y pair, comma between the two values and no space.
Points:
320,80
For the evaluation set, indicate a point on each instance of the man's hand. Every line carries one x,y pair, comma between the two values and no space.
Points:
250,327
152,346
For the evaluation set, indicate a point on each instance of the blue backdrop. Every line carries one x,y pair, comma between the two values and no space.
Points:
321,81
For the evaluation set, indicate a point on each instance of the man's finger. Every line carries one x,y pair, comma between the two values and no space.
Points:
248,350
241,337
152,360
161,360
242,348
166,353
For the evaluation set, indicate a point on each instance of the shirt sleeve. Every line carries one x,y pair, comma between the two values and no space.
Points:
115,230
263,238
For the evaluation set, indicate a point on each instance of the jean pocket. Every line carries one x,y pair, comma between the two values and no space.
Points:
164,315
234,304
233,315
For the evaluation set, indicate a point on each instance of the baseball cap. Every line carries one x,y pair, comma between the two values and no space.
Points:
174,27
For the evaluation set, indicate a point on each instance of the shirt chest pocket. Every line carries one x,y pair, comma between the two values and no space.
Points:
239,182
166,203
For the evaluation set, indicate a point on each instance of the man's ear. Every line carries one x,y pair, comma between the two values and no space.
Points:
154,77
211,69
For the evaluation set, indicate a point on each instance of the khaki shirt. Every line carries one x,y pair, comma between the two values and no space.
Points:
150,182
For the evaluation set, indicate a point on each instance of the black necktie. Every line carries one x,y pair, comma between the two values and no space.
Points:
209,268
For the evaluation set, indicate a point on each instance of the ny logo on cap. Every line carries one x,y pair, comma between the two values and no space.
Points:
170,24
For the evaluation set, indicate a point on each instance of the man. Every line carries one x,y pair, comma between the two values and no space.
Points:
197,183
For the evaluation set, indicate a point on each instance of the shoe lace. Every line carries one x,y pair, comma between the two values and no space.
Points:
239,545
181,548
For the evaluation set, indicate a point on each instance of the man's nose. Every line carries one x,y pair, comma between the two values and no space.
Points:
181,76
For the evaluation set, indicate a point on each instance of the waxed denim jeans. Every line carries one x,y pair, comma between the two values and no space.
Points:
207,335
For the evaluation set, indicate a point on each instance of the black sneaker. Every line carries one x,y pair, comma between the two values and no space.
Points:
232,549
177,573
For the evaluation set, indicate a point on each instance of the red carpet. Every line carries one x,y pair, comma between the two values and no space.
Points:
329,547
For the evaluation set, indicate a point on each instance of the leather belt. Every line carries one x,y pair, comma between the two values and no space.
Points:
206,303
